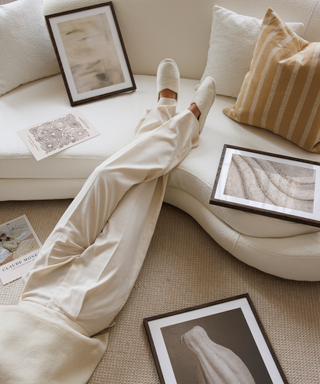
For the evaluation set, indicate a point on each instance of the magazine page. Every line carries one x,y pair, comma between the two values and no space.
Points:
19,247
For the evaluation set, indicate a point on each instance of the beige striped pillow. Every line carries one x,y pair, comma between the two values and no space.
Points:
281,92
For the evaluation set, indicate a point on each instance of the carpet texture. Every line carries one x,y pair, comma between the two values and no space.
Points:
185,267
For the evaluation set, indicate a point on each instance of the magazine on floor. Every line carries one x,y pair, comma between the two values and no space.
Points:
19,247
52,136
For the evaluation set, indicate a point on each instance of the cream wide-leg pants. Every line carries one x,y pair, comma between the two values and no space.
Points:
88,265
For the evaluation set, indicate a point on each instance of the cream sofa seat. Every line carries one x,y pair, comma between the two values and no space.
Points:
281,248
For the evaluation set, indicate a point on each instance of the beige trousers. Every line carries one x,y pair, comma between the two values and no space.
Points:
88,265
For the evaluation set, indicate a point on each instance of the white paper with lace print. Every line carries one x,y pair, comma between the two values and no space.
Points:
52,136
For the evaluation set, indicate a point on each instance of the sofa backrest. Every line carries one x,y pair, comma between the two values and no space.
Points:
180,29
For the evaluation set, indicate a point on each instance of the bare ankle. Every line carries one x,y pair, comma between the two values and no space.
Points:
168,94
195,110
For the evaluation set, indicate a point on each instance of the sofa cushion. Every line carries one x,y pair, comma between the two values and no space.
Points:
26,49
45,99
232,42
281,91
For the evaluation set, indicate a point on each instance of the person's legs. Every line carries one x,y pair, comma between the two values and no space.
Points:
90,290
88,265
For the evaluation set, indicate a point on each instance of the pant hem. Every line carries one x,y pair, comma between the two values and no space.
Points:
50,314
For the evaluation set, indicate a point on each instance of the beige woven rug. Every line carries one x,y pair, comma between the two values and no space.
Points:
185,267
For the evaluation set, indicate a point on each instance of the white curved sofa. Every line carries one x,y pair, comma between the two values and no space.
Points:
153,30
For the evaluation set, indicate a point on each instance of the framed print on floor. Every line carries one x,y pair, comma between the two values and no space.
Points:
91,53
269,184
223,341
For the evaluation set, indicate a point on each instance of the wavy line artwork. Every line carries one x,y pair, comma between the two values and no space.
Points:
59,133
270,182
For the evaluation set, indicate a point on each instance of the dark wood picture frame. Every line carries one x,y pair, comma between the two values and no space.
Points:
91,53
307,210
231,323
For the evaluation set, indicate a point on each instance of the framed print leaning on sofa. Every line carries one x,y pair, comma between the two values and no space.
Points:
268,184
91,53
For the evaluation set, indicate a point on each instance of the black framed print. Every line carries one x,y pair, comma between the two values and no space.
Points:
91,53
219,342
268,184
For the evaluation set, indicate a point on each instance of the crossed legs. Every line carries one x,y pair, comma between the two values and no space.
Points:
88,265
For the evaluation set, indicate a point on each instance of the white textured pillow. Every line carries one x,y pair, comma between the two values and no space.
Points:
26,51
232,42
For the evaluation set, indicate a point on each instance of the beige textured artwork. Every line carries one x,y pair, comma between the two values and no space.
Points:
91,53
270,182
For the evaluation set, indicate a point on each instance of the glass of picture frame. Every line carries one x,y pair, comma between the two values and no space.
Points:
222,340
269,184
91,53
